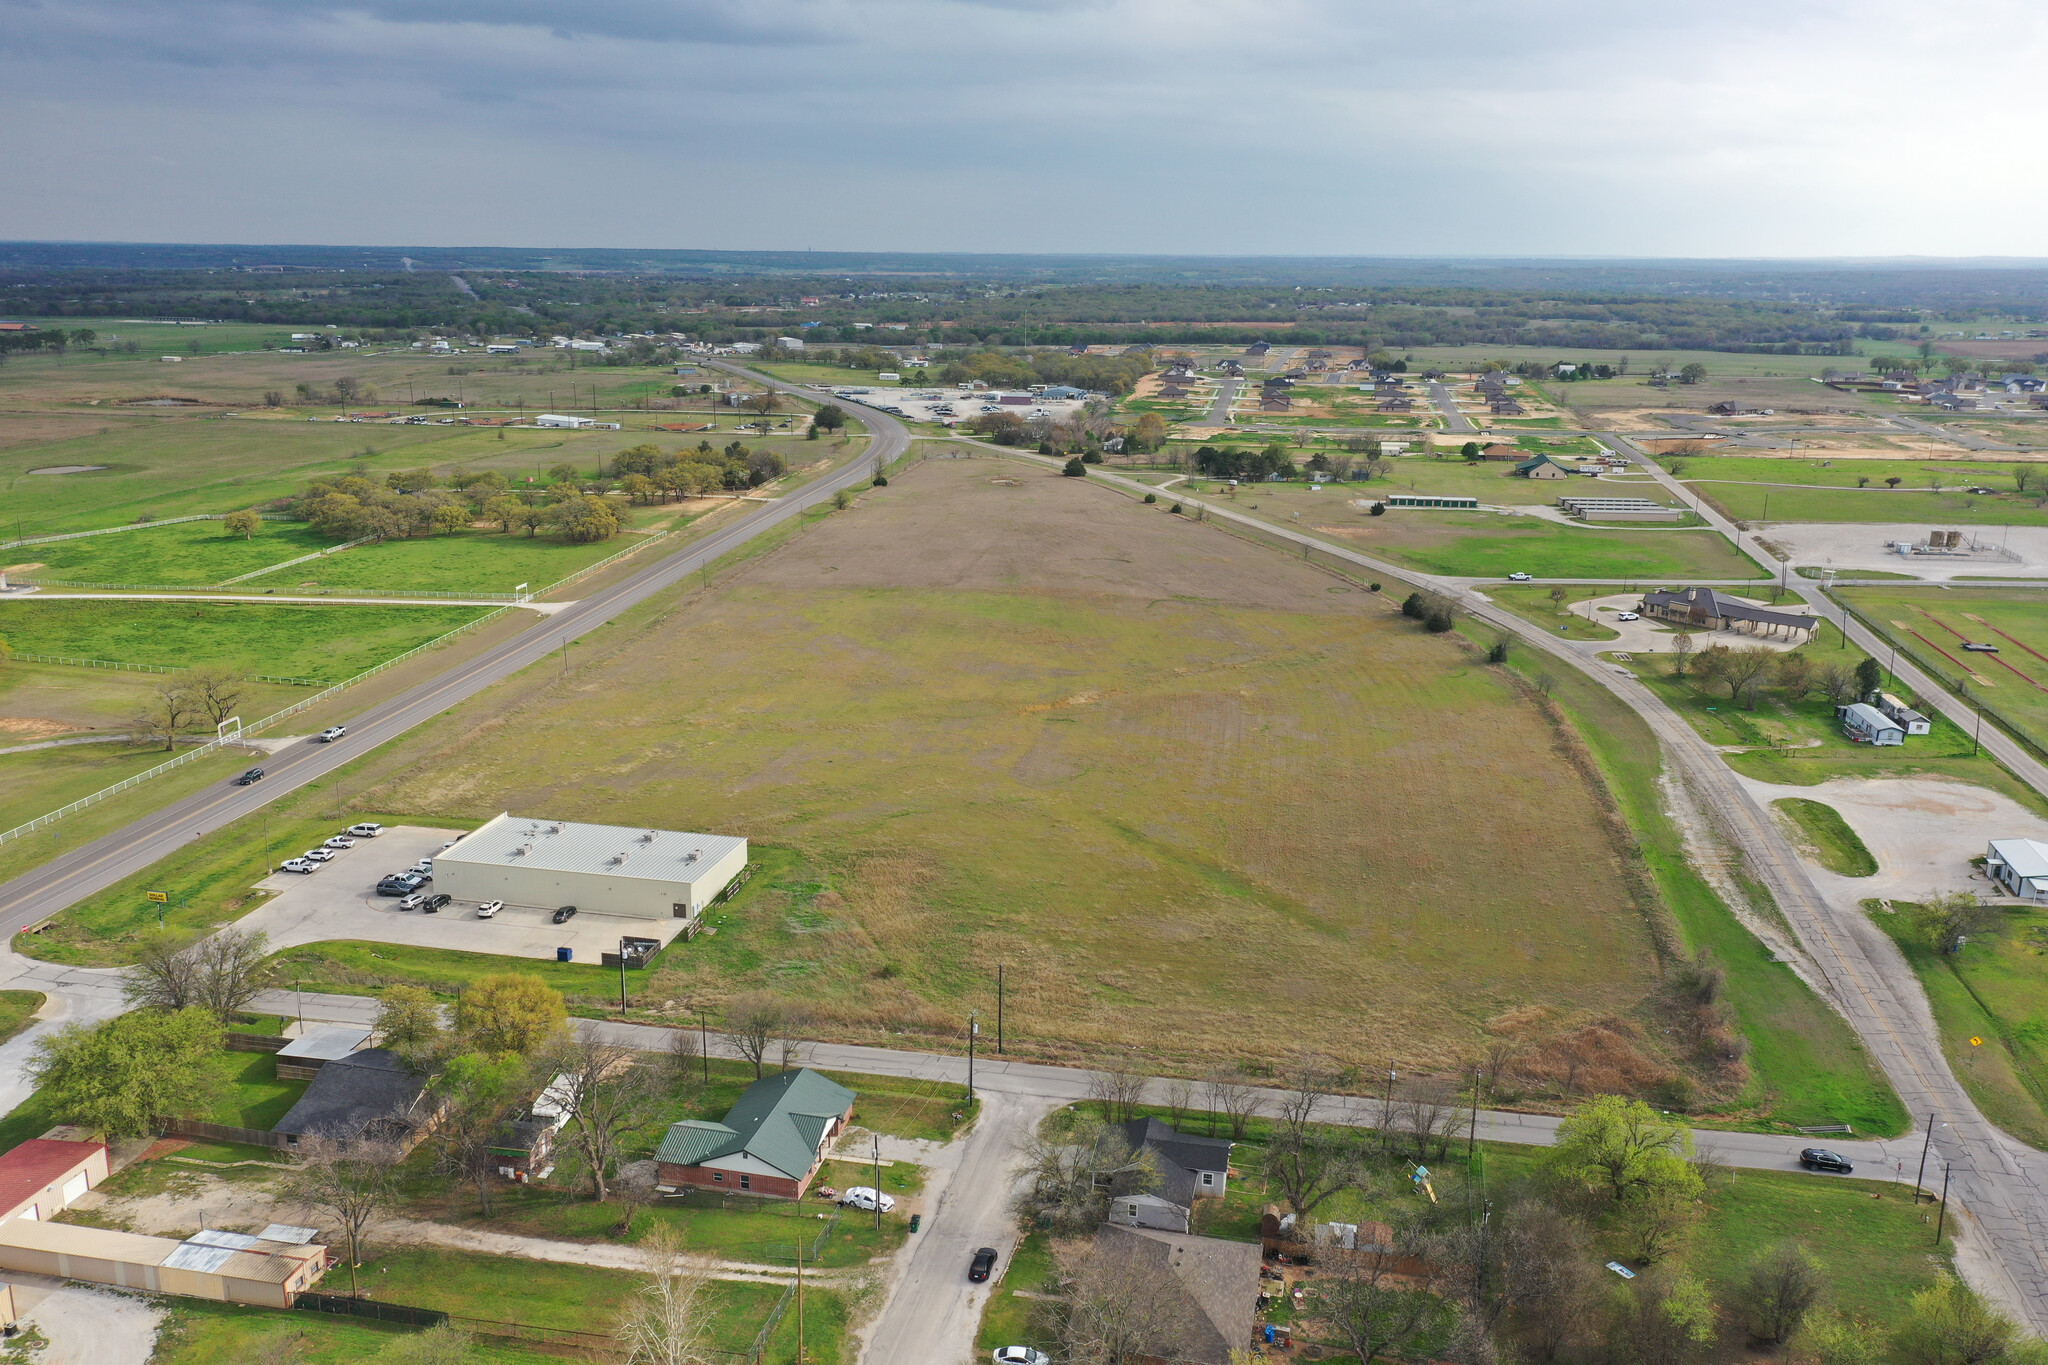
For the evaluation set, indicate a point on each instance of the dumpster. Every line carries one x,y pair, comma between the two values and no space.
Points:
565,954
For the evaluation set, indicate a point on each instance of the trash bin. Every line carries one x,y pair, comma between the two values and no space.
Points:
565,954
915,1219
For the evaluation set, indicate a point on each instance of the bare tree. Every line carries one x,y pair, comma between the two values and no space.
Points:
1118,1088
1837,682
1779,1288
791,1035
165,715
606,1094
221,973
668,1320
1118,1306
1180,1097
1360,1303
752,1022
1312,1162
1072,1168
1228,1093
1681,653
685,1061
350,1182
216,691
1422,1122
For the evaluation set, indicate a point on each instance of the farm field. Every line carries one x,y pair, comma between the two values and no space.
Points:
1930,624
1806,471
1993,990
280,639
1750,502
1115,751
198,553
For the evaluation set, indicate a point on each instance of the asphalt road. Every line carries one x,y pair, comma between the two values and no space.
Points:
1447,403
64,880
1226,394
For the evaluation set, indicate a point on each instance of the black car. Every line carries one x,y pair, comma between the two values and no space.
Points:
434,903
253,775
565,914
1821,1159
1978,647
984,1262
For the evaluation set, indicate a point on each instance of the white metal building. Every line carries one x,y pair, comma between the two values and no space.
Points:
604,869
2020,866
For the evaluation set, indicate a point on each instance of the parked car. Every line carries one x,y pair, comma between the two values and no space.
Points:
489,909
1021,1355
413,902
1975,648
399,884
249,778
299,865
1518,578
1821,1159
1628,616
435,902
340,841
984,1262
317,855
332,733
863,1198
565,914
366,831
425,867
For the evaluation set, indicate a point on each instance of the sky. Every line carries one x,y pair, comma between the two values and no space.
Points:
1742,128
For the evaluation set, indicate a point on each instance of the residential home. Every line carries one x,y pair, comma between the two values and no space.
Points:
1499,453
524,1147
1731,407
771,1142
1542,467
1397,405
1865,724
1258,348
1506,407
1173,391
1212,1285
1275,402
1903,715
2019,866
1078,348
366,1096
1233,368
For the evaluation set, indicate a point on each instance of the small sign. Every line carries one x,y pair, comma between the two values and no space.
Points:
1618,1268
1976,1042
160,897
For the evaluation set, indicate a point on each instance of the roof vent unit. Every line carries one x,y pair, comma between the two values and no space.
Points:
648,837
691,856
522,850
555,828
617,858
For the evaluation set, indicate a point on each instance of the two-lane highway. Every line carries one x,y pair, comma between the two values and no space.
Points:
64,880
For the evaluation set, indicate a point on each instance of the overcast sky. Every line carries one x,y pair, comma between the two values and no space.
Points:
1577,127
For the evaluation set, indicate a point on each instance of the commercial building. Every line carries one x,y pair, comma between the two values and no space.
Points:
1440,500
1620,509
227,1267
770,1143
2020,866
604,869
1706,609
43,1176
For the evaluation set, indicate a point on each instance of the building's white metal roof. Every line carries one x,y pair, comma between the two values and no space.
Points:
2026,857
326,1044
1870,718
606,850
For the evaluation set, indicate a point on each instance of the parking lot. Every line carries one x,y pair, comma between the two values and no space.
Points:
340,901
951,406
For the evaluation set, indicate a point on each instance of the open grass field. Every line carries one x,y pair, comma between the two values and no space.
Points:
32,784
1994,990
1929,625
285,640
199,553
1806,489
465,561
1820,829
1567,616
1001,717
1493,545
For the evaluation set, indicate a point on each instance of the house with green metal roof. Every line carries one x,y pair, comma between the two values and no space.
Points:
770,1143
1543,467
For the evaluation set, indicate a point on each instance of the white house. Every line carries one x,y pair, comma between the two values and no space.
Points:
1866,724
2020,866
604,869
1905,716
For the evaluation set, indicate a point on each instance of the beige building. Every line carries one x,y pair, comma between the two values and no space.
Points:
603,869
228,1267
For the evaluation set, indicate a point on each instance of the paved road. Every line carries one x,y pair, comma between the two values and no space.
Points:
1454,421
64,880
1226,394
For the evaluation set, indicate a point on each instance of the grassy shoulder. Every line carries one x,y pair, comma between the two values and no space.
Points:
18,1011
1808,1066
1822,831
35,783
1987,1000
1559,609
1010,1317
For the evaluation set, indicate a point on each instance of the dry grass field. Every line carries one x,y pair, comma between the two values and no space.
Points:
1200,800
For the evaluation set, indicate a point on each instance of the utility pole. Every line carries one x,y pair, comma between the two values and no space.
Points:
1942,1221
1925,1143
999,1009
1387,1108
878,1181
1472,1137
704,1041
800,1300
973,1027
622,976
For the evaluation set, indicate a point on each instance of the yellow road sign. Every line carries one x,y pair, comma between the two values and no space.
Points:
1976,1042
159,895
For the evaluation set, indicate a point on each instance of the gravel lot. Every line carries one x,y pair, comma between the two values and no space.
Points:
1847,546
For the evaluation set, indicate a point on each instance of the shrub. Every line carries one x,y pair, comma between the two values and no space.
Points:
1439,620
1413,608
1375,587
1151,497
1091,457
1379,509
1498,654
881,481
1075,469
1174,508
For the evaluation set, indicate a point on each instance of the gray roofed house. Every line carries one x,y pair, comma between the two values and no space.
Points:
1188,1168
1719,611
770,1142
2020,866
367,1096
1216,1283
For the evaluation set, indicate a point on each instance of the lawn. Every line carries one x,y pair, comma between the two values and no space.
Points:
250,1095
1990,1001
198,553
1566,616
1036,725
1807,1065
465,561
41,781
1929,625
289,640
1821,831
1007,1320
1485,545
18,1011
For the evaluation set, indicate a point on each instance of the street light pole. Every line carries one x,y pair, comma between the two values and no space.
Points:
999,1009
1942,1221
973,1027
622,976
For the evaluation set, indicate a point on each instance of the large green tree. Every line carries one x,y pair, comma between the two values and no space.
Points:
121,1076
510,1013
1623,1149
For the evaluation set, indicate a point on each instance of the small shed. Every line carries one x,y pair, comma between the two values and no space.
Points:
302,1058
1907,718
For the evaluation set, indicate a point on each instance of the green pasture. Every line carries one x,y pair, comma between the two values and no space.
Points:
196,553
1487,545
40,781
1821,828
1760,503
1566,617
463,561
1929,625
287,640
1995,990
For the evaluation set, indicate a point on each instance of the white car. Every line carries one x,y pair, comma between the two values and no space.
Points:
1518,578
414,901
863,1198
366,831
425,867
340,841
1021,1355
1628,616
317,855
332,733
299,865
489,909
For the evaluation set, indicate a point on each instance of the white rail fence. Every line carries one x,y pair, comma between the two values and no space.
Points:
132,526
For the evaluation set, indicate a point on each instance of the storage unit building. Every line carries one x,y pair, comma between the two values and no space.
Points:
1442,500
227,1267
605,869
40,1178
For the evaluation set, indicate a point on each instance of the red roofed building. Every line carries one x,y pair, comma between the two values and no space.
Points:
40,1178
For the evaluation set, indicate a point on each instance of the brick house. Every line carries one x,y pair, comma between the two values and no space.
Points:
770,1143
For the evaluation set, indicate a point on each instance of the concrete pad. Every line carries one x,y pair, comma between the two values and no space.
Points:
340,901
1923,831
1847,546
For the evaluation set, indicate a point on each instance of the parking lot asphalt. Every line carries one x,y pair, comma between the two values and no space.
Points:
340,902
